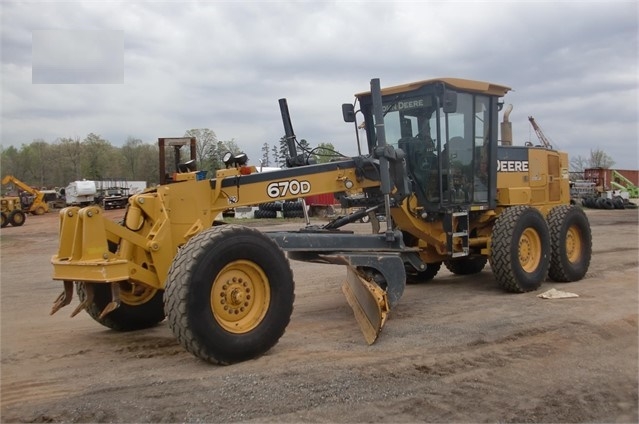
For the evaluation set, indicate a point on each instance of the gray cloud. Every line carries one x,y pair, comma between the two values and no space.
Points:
223,65
77,57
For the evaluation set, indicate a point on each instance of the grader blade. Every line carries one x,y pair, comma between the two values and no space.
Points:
369,303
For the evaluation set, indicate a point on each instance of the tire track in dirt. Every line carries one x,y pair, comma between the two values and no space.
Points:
27,391
149,347
455,350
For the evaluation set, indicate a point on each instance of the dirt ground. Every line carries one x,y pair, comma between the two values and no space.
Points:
457,349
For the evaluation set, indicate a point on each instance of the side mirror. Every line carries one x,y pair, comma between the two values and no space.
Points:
348,112
449,101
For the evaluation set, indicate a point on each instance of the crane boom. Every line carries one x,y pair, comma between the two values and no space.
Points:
540,134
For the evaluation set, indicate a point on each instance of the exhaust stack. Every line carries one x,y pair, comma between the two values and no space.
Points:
507,128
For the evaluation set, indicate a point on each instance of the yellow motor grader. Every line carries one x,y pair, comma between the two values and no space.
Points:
450,193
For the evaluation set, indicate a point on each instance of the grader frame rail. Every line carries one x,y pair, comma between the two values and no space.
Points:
448,192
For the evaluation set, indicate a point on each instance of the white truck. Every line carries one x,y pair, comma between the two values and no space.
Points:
115,193
130,187
80,193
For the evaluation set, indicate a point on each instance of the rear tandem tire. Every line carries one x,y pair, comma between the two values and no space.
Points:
229,294
137,311
571,243
5,219
520,249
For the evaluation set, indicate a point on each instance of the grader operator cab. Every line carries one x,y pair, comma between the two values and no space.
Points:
449,193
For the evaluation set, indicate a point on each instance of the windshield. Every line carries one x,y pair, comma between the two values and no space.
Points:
446,153
409,117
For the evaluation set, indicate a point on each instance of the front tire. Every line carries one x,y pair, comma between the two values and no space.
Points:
229,294
520,249
140,307
571,242
17,218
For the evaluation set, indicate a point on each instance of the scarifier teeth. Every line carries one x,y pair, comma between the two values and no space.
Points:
89,293
64,298
115,300
109,308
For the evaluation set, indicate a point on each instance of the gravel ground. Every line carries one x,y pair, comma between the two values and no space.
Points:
457,349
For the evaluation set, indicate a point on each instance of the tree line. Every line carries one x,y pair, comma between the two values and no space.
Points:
48,165
56,164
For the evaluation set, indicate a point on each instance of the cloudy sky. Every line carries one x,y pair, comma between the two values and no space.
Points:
156,69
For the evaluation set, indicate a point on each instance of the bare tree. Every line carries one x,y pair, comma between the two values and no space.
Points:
131,155
9,163
148,168
96,157
38,162
578,163
600,159
71,150
205,143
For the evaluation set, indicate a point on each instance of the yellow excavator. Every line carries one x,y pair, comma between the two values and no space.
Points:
36,204
430,163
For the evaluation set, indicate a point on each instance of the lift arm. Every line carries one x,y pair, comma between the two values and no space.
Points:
38,200
625,183
10,179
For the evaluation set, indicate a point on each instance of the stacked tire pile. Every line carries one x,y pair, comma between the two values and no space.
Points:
616,202
289,209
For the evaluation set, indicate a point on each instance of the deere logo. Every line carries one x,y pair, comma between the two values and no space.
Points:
412,104
512,166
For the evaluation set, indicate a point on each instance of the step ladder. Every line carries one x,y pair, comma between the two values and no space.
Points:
457,233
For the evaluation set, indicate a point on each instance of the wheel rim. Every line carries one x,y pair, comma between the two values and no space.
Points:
135,294
18,218
529,250
240,296
573,244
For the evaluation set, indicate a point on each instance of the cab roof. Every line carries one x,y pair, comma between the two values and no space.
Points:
459,83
